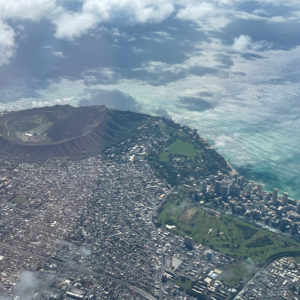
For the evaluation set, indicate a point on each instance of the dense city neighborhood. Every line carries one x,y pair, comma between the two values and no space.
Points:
87,229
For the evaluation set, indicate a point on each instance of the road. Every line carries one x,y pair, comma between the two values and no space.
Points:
249,282
162,271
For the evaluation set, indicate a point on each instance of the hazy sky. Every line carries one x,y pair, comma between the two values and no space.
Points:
230,68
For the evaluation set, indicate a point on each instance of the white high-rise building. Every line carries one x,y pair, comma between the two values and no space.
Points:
285,198
275,196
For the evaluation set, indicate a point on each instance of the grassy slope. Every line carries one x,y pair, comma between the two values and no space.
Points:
224,233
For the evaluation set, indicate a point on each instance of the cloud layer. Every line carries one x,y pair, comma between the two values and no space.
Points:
228,67
71,24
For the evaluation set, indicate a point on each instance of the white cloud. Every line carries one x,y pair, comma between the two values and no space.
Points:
26,9
58,53
19,10
129,11
159,67
278,19
260,11
116,12
196,12
72,26
7,43
208,15
242,43
296,14
245,43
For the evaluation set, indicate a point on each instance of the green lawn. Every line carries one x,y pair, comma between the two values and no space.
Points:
164,157
184,283
224,233
179,148
19,199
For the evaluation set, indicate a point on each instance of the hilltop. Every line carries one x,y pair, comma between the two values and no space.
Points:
63,131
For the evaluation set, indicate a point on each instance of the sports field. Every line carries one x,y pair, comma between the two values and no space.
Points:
180,148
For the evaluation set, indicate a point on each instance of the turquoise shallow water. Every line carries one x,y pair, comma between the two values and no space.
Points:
231,69
253,116
266,151
270,157
263,146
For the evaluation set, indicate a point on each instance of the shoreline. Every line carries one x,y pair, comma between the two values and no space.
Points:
233,172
